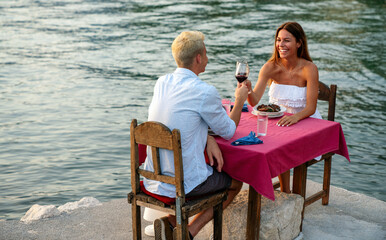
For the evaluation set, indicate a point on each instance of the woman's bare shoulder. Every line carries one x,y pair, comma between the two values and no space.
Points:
269,66
309,66
310,71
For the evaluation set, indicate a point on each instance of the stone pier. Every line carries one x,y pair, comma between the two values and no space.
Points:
349,215
280,219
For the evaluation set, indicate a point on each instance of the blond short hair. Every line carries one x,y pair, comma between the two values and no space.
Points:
186,46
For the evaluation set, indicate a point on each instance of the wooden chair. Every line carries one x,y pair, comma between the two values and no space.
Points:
158,136
329,95
300,173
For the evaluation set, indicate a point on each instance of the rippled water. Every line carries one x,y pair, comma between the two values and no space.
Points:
74,73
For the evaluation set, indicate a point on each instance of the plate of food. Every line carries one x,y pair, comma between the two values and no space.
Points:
272,110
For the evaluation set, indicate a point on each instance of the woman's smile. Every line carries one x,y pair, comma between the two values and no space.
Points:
286,43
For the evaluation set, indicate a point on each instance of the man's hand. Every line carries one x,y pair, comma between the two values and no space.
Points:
241,92
214,153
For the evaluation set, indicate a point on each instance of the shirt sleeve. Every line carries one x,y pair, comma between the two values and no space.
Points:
215,116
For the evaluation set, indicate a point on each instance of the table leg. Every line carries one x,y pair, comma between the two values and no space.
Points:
253,216
299,185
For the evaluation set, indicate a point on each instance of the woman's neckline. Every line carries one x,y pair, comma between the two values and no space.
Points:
288,85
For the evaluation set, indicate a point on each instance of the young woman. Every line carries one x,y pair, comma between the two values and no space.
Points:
293,80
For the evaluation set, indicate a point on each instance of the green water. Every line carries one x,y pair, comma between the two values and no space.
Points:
74,73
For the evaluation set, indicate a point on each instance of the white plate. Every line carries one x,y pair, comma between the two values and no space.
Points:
270,114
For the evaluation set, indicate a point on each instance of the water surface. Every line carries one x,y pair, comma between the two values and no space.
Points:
74,73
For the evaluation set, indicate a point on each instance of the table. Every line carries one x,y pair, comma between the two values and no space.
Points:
283,148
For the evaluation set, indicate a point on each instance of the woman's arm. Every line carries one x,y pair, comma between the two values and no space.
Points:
310,73
264,75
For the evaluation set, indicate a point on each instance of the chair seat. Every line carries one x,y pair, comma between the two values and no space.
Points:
166,200
193,206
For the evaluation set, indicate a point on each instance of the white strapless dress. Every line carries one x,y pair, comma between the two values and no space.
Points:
293,98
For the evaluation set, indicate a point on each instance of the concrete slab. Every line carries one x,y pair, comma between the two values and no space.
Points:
348,216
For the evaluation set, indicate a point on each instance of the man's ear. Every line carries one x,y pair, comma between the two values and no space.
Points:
198,58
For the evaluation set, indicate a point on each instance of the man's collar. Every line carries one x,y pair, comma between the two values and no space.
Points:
185,71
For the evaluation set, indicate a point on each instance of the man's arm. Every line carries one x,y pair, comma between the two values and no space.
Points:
214,152
241,95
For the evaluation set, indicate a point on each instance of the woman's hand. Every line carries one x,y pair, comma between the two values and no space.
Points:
287,121
249,85
214,152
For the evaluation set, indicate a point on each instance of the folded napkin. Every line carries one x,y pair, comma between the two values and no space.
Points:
245,108
248,140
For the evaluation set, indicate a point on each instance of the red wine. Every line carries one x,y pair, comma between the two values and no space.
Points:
241,78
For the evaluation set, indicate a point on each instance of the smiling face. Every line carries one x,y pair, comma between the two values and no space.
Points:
288,37
286,44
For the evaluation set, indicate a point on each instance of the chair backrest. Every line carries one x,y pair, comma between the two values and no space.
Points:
328,94
157,136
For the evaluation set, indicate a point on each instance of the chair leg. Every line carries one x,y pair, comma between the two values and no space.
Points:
326,180
136,221
182,228
217,221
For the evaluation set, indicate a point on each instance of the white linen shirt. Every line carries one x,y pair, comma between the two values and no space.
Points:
181,100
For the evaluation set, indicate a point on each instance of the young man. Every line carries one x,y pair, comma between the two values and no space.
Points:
181,100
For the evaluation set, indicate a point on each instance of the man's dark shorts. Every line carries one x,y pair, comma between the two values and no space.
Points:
215,182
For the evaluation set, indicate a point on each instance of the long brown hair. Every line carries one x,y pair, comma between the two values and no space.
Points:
297,31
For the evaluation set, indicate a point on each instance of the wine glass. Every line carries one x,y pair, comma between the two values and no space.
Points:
242,71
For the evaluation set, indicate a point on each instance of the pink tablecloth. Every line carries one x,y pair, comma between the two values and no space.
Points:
283,148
